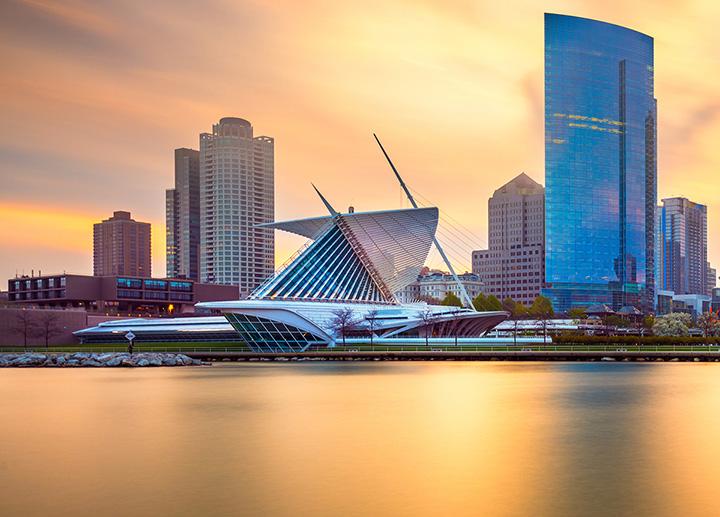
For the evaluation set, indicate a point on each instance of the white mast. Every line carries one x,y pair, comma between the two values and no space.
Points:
463,292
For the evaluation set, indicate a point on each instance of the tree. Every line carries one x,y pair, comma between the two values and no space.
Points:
342,322
577,313
49,326
456,322
480,302
25,326
508,305
493,304
427,317
674,324
371,318
517,312
542,310
451,300
709,323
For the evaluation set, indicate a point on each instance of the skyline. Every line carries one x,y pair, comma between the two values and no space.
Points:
114,109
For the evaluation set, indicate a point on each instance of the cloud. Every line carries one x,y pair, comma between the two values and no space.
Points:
96,95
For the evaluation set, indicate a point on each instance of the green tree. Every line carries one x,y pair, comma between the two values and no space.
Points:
451,300
480,302
542,310
493,304
508,305
674,324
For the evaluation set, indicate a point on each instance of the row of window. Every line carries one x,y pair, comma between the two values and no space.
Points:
148,283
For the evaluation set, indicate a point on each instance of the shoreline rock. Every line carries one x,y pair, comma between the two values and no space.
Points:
96,360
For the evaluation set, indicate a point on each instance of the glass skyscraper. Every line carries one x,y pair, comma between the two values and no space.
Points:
600,164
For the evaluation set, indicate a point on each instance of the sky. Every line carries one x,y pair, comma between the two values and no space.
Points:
95,95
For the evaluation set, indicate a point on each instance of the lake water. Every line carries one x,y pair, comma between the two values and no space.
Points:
442,438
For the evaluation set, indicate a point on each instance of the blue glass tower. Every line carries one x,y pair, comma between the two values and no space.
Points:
600,164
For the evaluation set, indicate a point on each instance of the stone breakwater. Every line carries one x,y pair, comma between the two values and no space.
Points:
96,360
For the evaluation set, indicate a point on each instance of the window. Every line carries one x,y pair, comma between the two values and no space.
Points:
129,293
156,284
180,286
129,283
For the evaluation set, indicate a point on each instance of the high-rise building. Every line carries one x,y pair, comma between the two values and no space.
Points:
237,194
514,263
600,164
182,217
711,279
121,246
683,225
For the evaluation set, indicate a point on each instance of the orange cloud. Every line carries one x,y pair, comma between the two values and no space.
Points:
96,96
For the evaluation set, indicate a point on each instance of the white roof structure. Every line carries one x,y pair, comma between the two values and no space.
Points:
357,257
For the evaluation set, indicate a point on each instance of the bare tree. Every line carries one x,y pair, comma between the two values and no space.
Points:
371,318
343,322
456,323
427,317
542,310
49,326
25,326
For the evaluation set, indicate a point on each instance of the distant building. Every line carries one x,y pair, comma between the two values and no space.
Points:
715,300
684,247
693,304
121,246
236,195
115,294
600,164
437,284
711,278
514,263
182,217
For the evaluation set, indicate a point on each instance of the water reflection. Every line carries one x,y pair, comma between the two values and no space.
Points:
362,439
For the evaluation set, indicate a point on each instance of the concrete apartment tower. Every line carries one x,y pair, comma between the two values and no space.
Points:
514,263
683,224
121,246
237,193
182,217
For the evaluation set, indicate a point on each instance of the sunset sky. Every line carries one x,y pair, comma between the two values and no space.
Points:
95,95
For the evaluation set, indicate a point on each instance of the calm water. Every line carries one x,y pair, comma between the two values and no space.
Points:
447,438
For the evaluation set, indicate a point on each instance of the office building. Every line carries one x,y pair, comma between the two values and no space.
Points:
711,279
236,195
514,263
683,224
121,246
115,294
692,304
182,217
437,284
600,164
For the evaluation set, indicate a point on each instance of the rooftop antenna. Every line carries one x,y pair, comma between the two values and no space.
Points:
463,292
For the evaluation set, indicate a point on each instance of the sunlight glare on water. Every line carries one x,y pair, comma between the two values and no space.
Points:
440,438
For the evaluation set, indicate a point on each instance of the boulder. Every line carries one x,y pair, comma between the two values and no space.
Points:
92,362
143,362
114,361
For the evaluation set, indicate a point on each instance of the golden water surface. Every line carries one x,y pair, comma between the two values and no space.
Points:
443,438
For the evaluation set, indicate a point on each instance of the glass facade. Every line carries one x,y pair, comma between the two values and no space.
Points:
600,164
264,335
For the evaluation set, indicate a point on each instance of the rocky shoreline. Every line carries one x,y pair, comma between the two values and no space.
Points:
96,360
